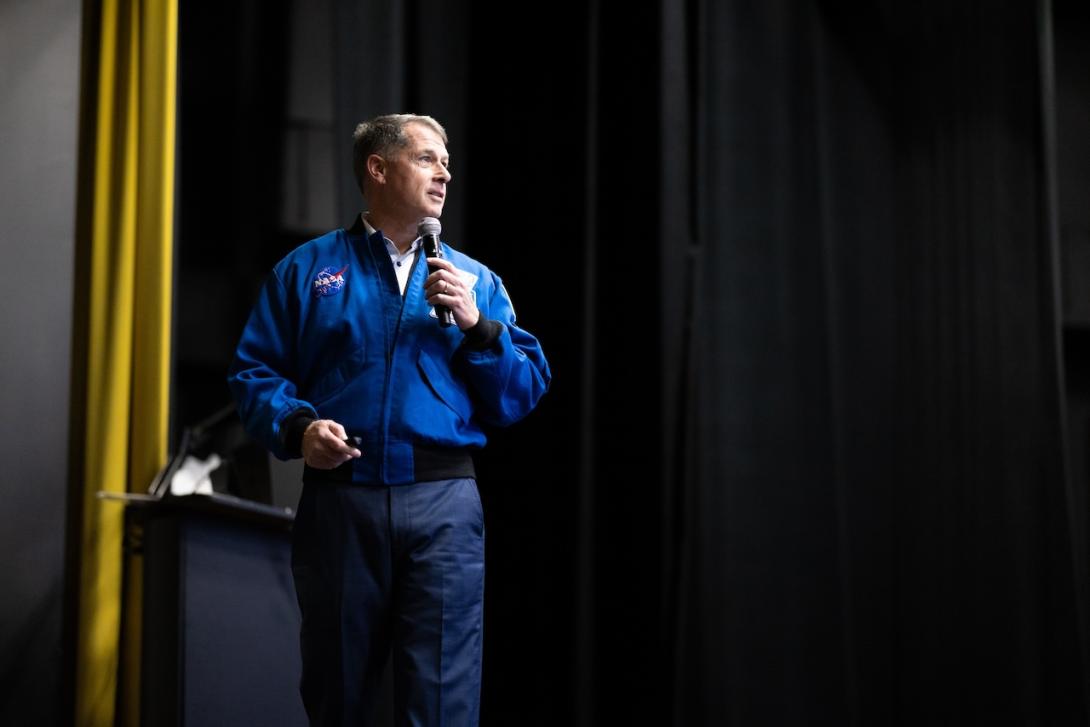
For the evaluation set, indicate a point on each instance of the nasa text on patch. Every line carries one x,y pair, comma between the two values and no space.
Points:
329,281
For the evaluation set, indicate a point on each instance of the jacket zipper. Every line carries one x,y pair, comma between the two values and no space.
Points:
391,344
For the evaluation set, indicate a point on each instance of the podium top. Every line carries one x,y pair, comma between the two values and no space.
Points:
217,504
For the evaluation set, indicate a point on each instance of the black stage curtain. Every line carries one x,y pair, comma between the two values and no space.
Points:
872,506
803,457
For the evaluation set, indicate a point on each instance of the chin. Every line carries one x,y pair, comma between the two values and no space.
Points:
433,208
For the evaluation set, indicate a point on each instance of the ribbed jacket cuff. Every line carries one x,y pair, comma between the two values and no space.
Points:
291,431
483,334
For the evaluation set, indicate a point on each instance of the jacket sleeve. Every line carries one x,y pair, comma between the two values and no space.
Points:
509,374
262,375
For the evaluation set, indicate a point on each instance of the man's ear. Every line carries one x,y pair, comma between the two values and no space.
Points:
376,168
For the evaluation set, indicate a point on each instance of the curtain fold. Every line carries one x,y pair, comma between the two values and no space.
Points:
124,306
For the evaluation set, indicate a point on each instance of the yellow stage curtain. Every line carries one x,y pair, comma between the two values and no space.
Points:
124,305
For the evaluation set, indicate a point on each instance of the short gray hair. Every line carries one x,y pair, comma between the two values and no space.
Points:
384,134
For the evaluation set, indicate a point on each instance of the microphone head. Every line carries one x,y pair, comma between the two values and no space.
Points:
429,226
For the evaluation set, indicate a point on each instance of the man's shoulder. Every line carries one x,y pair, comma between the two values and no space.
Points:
465,262
315,251
320,245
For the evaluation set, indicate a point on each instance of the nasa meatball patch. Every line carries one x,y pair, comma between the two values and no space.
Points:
329,281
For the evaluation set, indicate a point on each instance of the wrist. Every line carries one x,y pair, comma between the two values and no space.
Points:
476,320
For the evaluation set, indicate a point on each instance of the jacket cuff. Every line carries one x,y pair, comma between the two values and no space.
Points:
483,334
291,431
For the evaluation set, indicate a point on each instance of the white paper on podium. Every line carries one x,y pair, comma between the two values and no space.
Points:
193,476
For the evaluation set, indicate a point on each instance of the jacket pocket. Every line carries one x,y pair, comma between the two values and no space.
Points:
446,389
333,381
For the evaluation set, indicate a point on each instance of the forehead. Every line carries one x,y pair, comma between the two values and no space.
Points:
422,136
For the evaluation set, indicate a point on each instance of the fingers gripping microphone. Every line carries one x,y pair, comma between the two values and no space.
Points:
429,230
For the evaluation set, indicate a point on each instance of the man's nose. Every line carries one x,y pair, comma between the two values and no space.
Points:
444,173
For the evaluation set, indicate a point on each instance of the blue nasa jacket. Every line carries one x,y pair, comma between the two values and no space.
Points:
332,337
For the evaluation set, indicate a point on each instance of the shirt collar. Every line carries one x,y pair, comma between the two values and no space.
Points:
390,246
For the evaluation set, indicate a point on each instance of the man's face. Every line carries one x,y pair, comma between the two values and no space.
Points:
417,175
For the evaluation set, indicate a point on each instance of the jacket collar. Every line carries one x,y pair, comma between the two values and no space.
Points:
357,227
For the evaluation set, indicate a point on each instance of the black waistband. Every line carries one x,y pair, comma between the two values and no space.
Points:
429,463
441,463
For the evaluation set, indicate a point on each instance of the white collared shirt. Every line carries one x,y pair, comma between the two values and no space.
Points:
403,262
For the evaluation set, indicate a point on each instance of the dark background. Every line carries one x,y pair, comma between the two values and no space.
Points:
814,282
794,265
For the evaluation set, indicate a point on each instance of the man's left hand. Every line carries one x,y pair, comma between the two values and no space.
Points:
445,287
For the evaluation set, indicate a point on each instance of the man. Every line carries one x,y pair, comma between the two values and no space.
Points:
344,362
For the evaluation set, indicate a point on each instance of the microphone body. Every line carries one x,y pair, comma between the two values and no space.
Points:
429,230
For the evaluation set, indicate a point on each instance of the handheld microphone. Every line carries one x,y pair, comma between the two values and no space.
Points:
429,230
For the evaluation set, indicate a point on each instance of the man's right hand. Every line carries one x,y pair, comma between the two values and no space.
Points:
324,447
